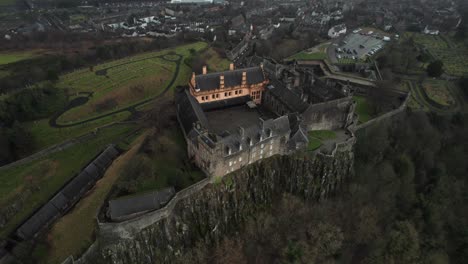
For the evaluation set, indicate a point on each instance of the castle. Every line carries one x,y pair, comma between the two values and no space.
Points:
233,118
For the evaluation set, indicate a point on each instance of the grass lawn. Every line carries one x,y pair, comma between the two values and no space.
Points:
363,109
303,55
438,92
10,57
316,137
123,82
63,241
34,183
314,143
323,134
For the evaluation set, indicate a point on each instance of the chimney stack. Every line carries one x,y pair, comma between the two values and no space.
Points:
221,82
231,66
204,70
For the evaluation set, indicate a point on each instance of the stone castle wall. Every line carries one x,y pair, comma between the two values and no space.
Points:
329,115
211,209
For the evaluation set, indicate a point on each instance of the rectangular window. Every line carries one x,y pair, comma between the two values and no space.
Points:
262,146
261,156
240,159
240,91
225,94
217,95
261,151
235,92
271,152
271,147
212,96
230,163
229,93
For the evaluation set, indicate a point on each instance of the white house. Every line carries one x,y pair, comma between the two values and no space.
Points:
336,31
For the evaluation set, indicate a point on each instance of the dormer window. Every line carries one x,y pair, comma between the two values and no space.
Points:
240,146
269,132
249,141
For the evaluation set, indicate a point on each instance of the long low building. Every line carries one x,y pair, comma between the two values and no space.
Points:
68,196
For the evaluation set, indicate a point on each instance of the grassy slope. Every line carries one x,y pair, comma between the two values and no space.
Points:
215,62
169,164
363,109
45,136
7,58
64,241
47,175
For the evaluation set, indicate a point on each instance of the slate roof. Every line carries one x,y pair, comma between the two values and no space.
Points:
262,130
210,81
78,185
128,206
67,195
40,219
189,111
287,97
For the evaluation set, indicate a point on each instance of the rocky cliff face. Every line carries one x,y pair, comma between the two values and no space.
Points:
220,208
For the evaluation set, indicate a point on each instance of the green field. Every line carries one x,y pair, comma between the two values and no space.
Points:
123,83
363,109
11,57
133,80
35,182
453,54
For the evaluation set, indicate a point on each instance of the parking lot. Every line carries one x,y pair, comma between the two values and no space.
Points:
359,45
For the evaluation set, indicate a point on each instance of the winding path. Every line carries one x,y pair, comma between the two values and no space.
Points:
132,109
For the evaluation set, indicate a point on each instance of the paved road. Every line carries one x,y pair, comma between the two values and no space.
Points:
131,109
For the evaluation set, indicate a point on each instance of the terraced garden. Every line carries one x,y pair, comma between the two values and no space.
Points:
454,55
438,92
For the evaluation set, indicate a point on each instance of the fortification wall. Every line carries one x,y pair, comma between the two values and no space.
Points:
211,209
328,115
386,115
